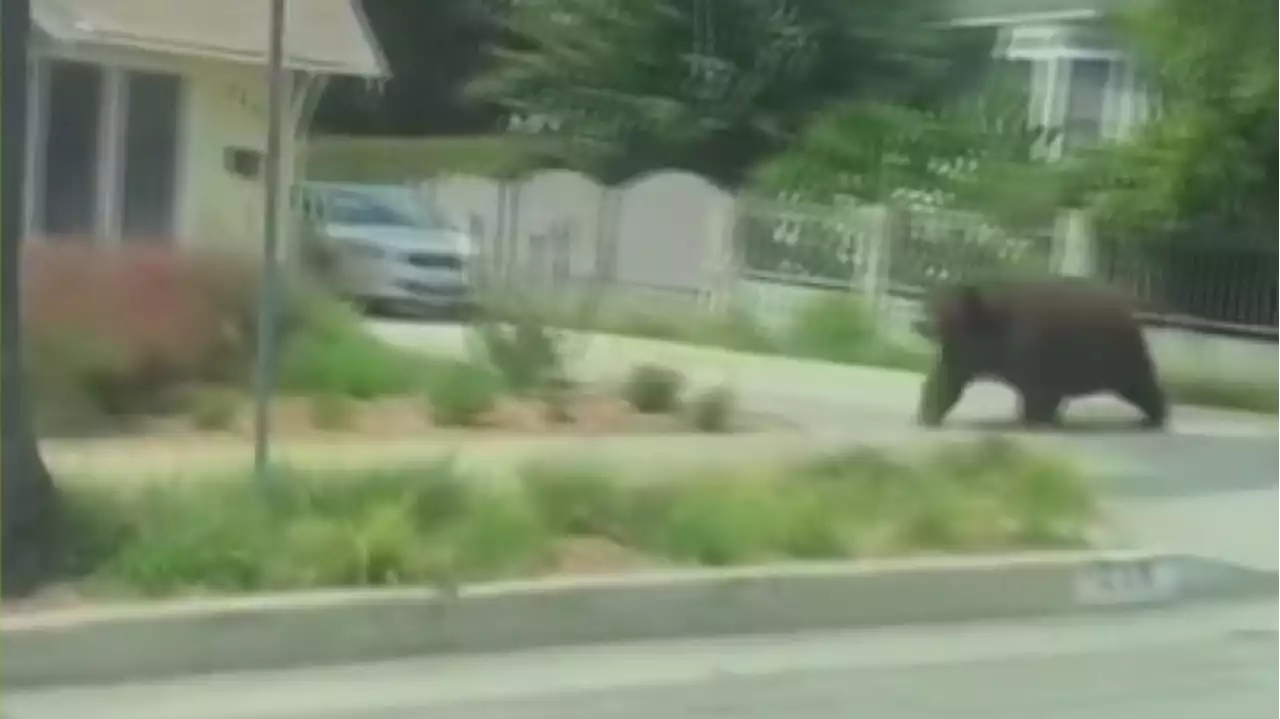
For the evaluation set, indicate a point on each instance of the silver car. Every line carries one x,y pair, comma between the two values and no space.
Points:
389,249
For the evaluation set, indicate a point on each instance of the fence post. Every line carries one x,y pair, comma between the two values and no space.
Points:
1074,246
880,224
721,233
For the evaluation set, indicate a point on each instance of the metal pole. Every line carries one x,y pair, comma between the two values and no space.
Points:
268,303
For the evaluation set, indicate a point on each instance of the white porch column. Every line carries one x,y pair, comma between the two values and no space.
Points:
112,121
1058,92
37,138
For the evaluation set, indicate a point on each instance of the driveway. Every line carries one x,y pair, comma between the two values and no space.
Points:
1208,485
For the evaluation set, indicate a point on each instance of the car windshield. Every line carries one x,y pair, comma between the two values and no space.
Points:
391,207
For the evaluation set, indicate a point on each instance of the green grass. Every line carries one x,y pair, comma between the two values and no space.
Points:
432,523
400,159
1259,397
831,328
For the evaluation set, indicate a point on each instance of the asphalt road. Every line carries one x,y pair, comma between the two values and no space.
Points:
1173,664
1208,485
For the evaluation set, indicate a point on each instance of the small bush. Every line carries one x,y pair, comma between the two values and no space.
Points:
525,354
653,389
460,392
214,408
335,355
713,409
144,323
134,325
833,326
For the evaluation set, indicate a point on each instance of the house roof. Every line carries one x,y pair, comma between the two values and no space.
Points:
323,36
1010,12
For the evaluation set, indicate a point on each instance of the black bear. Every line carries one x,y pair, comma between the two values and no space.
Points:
1049,339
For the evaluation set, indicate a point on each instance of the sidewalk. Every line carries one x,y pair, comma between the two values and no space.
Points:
146,460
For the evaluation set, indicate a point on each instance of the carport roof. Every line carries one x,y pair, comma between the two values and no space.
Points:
322,36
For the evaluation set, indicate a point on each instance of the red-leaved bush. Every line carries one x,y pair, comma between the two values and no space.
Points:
118,327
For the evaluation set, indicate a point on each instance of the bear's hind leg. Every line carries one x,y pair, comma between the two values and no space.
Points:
1146,396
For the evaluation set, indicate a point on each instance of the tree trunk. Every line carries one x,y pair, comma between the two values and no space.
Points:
28,499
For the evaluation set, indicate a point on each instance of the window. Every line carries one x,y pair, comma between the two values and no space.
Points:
148,187
1086,100
104,162
71,151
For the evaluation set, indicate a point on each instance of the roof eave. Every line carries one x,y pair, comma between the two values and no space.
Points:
1049,16
377,70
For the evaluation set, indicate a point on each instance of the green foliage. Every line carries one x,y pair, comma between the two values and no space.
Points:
335,355
434,525
710,85
653,389
834,326
460,392
839,327
1208,159
978,153
411,159
526,354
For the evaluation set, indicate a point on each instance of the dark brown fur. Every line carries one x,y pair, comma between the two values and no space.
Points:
1048,339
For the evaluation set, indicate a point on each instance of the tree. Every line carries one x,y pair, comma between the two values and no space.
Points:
1193,195
1208,160
711,86
976,150
29,505
434,49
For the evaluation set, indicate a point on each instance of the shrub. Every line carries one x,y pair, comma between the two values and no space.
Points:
148,321
712,410
526,354
833,326
348,363
653,389
459,392
139,323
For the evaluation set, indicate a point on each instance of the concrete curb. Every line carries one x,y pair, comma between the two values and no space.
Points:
129,643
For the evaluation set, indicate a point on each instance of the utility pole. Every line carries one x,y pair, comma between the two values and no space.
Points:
269,302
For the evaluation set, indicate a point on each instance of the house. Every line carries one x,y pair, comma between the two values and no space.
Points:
1078,75
148,118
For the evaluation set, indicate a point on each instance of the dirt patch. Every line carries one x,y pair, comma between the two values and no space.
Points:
596,555
584,413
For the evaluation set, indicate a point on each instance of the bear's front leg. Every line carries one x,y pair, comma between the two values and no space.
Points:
1038,407
939,394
